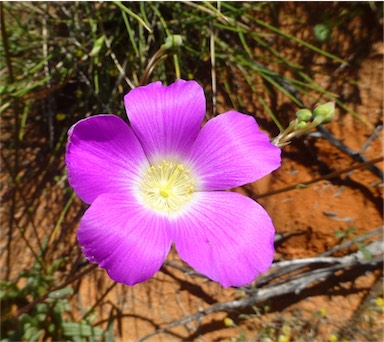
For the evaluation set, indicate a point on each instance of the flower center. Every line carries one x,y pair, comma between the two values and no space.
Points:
167,186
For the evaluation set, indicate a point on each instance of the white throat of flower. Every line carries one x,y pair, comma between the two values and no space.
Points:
167,186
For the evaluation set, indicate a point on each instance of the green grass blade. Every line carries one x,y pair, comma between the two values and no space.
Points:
300,41
133,15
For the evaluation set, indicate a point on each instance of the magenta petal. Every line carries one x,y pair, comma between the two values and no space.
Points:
227,237
231,151
130,242
103,155
166,119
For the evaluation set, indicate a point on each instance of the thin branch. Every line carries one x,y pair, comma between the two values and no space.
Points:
353,241
326,134
121,69
292,285
297,264
315,180
97,302
373,136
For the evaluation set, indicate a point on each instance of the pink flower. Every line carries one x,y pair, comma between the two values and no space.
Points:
160,181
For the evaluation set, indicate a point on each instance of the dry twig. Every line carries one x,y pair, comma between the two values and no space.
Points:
327,266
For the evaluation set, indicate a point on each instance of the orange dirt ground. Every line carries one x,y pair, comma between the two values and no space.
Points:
308,217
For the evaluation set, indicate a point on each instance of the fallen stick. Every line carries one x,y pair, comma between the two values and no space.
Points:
291,285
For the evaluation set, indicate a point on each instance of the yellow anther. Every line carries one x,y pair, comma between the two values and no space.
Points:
167,187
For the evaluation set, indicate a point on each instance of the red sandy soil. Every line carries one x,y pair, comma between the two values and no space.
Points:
309,217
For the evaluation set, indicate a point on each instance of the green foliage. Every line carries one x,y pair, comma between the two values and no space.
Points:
351,233
102,49
45,320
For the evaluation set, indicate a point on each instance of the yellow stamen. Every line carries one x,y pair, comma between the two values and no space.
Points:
167,187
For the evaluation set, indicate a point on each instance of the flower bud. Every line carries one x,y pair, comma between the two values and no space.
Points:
323,32
301,125
304,115
325,112
173,42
